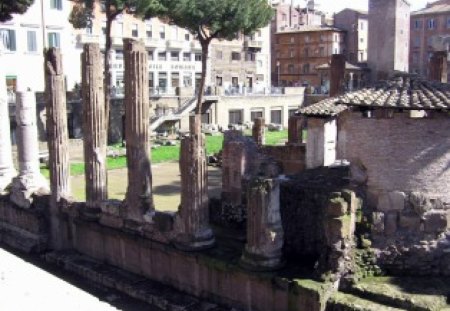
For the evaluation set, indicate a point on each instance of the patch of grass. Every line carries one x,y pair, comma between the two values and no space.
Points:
167,153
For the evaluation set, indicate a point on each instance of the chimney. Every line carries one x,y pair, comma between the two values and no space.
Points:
438,67
337,74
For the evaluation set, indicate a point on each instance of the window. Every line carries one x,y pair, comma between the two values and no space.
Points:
219,81
234,81
56,4
336,38
175,56
175,79
134,31
291,53
8,38
198,57
150,55
235,56
307,38
148,31
291,69
361,26
31,41
292,112
322,51
417,24
235,117
151,79
54,40
306,52
162,32
255,114
89,30
250,57
417,41
292,40
162,56
306,68
432,23
187,79
187,37
275,116
162,79
119,54
361,40
219,54
187,56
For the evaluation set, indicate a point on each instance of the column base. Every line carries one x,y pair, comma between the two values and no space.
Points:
25,186
260,263
191,243
90,213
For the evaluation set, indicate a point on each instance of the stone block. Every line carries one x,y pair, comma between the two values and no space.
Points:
391,201
409,222
350,197
390,223
420,202
337,207
435,221
378,219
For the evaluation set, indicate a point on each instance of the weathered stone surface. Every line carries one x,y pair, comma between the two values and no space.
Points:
435,221
337,207
390,223
378,222
409,221
30,179
139,198
259,131
192,221
420,202
296,125
264,227
94,127
391,201
7,171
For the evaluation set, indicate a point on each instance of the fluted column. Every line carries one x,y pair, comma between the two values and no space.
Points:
7,171
259,131
94,127
192,222
57,136
263,250
30,179
139,198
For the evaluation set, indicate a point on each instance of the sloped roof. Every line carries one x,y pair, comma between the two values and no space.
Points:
437,8
409,92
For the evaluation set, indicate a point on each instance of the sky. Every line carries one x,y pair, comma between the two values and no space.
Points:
338,5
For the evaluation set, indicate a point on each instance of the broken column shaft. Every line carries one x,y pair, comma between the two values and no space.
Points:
295,130
192,223
337,74
30,180
94,126
263,250
57,136
259,131
7,171
139,198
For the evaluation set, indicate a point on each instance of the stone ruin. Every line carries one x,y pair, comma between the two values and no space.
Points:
307,228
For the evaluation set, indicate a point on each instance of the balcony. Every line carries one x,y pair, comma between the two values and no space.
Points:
117,41
253,44
175,44
152,42
87,38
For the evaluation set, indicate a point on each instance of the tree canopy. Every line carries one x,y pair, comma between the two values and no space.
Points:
9,7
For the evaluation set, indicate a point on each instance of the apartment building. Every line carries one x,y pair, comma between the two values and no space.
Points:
356,25
426,25
299,52
24,38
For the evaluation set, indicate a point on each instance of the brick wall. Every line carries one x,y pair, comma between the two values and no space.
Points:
399,153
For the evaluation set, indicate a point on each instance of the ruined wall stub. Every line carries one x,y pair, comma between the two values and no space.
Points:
94,126
259,131
7,171
337,74
263,250
30,179
139,198
192,222
438,66
295,130
57,136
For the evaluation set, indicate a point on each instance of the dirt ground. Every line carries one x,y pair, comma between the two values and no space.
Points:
166,185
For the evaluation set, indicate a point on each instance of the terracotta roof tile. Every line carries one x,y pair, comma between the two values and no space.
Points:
402,92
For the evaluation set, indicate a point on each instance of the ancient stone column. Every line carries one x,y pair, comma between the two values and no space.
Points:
263,250
58,141
30,181
438,66
337,74
139,198
259,131
94,127
7,171
57,137
192,221
295,130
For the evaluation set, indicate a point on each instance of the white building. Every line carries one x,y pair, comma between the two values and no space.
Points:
24,38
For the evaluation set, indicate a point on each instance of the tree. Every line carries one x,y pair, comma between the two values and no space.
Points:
82,15
213,19
8,7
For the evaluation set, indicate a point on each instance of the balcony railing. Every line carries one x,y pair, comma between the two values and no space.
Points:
253,44
175,44
152,42
195,45
88,38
